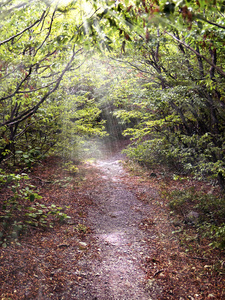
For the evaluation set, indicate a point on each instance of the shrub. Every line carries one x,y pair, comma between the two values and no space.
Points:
21,208
210,212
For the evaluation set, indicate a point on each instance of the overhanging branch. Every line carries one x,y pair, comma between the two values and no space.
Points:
24,30
219,70
23,116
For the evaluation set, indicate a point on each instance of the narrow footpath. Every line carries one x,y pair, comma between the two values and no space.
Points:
116,220
139,256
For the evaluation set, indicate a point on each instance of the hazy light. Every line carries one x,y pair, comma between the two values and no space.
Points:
84,6
64,2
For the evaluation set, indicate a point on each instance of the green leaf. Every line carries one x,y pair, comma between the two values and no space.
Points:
32,197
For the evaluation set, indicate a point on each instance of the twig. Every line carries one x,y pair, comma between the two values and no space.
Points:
196,257
158,272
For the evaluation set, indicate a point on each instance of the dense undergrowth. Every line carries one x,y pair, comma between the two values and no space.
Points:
204,212
23,209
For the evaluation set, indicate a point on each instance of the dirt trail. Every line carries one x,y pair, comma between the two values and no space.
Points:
119,242
115,219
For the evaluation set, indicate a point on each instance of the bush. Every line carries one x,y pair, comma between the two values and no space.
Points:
21,209
209,210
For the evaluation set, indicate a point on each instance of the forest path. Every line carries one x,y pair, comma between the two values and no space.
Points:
120,243
115,218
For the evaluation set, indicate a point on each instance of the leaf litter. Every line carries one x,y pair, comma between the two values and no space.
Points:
118,244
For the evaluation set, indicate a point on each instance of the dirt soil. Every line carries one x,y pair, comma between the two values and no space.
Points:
118,244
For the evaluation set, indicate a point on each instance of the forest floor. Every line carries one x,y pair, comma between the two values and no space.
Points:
120,242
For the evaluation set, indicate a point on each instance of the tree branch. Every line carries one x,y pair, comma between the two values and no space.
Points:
49,31
209,22
219,70
21,32
23,116
18,87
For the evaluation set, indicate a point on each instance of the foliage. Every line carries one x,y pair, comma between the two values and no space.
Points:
161,85
208,215
41,43
21,208
176,94
43,108
71,168
81,228
181,103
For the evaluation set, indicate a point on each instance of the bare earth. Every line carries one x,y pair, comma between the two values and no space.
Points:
115,220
